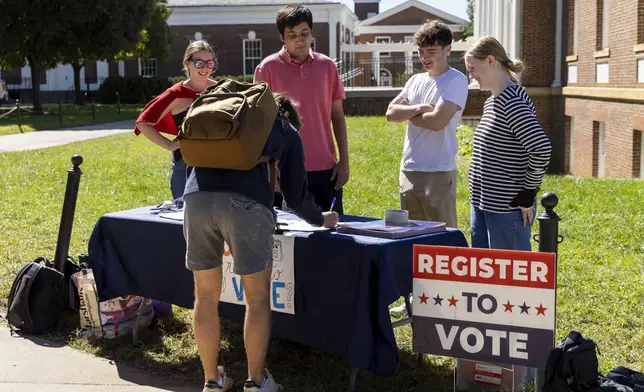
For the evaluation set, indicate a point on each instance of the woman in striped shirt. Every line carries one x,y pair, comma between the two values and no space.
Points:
511,152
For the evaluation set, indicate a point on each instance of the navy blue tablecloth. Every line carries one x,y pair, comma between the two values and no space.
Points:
344,283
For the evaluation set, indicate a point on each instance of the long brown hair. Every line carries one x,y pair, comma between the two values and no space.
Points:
489,46
194,47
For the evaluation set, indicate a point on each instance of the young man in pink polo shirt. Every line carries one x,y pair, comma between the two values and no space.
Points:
312,79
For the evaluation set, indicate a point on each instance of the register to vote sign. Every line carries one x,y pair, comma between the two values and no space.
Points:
484,304
282,277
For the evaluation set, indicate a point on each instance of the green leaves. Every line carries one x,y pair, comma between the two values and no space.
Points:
46,33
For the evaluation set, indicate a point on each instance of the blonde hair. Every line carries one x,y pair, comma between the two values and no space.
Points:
194,47
489,46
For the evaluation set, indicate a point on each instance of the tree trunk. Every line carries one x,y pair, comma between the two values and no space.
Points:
35,84
78,91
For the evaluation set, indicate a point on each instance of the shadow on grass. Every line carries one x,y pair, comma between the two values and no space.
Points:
167,349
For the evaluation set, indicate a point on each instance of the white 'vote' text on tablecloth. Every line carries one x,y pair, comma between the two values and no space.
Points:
282,277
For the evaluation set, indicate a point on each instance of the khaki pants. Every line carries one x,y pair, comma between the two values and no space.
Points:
429,196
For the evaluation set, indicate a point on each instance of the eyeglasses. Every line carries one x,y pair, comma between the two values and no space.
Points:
212,64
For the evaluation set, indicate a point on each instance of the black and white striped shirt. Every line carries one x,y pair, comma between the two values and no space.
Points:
511,151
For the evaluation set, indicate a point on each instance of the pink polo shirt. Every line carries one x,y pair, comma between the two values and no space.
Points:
314,84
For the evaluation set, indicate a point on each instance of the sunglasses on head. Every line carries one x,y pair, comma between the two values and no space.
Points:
212,64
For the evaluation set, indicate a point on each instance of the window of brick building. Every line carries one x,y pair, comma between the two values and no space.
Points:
603,16
640,21
573,33
572,74
571,145
575,25
148,68
638,154
639,47
601,73
252,55
384,40
599,149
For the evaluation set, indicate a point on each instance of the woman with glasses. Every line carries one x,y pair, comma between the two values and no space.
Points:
165,113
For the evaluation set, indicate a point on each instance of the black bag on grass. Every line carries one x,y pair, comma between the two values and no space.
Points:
38,296
572,365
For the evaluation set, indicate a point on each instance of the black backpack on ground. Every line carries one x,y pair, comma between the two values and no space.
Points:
572,366
627,377
38,296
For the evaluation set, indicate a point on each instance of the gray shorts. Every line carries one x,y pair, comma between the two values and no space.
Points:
210,218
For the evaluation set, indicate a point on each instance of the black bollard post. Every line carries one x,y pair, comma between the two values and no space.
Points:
548,239
18,111
93,111
67,218
118,103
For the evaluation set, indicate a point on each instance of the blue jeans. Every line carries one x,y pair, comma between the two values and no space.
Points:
496,230
177,175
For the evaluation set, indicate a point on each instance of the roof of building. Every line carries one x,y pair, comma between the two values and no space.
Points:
228,3
412,3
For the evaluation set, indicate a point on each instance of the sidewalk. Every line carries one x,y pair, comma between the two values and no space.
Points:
32,364
42,139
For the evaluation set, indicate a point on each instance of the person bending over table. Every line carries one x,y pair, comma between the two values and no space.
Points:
235,206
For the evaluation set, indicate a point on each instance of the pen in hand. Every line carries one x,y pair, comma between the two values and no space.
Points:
332,204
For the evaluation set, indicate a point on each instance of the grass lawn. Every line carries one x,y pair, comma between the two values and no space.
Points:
73,116
600,278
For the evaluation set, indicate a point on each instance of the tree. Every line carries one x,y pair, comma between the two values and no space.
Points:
34,30
468,28
109,28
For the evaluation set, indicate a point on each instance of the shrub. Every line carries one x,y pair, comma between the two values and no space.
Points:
402,78
132,89
239,78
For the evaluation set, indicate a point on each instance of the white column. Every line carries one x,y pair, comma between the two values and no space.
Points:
518,25
489,17
506,24
485,17
498,20
333,36
476,23
121,68
409,62
376,66
558,45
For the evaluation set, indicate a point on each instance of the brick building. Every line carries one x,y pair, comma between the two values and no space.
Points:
242,32
604,94
585,72
383,48
532,31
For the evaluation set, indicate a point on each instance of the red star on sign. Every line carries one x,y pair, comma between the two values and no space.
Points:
452,301
508,306
541,310
423,299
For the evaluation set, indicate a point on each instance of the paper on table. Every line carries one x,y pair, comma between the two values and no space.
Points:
299,226
291,222
285,221
176,215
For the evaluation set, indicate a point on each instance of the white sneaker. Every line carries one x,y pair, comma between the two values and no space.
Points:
269,385
400,310
213,386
